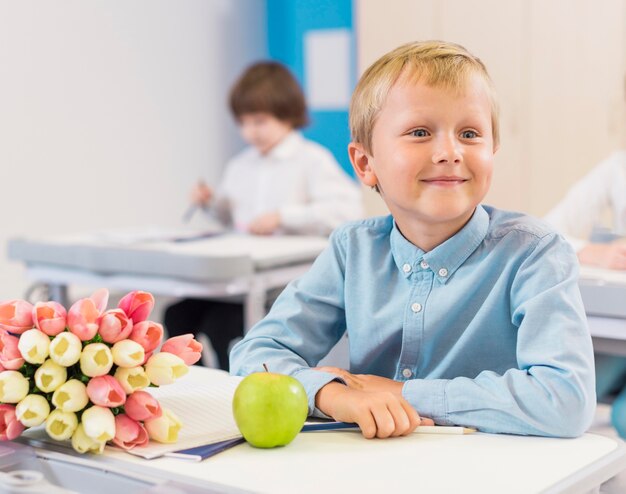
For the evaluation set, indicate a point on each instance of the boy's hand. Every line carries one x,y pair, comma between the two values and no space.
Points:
378,414
265,224
611,256
366,382
201,194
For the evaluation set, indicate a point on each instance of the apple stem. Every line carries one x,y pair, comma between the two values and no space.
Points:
265,367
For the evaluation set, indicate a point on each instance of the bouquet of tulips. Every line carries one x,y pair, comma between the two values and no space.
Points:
83,372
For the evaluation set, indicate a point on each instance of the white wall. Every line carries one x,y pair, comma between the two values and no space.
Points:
110,110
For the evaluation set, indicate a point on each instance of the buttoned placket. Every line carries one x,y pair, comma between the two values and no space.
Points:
421,281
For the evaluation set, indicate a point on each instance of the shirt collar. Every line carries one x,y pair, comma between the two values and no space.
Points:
286,148
446,258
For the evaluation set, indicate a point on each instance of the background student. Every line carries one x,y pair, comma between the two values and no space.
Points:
602,190
455,311
281,184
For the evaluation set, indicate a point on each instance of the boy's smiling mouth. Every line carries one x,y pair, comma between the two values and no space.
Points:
445,181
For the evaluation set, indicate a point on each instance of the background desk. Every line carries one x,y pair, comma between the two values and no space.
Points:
604,296
246,266
219,266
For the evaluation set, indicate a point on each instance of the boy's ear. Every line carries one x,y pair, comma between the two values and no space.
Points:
360,160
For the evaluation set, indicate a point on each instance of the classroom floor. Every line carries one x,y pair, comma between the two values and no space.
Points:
602,425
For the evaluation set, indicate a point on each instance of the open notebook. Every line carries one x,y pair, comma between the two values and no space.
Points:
202,400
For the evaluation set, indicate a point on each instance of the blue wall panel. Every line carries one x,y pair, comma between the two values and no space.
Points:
288,21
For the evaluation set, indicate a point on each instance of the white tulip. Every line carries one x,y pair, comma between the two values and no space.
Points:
13,386
49,376
32,410
82,443
128,353
34,346
71,396
96,360
61,425
132,379
99,423
165,428
164,368
65,348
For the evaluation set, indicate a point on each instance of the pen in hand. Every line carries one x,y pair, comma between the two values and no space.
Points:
201,194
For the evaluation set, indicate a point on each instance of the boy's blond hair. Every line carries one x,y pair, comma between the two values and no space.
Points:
435,63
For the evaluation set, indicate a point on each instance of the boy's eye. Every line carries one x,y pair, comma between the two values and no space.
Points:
469,134
419,133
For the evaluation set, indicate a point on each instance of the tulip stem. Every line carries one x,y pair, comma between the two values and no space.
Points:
265,367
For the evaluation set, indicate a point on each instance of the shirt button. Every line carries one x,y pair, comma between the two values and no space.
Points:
416,307
443,272
424,265
407,373
406,268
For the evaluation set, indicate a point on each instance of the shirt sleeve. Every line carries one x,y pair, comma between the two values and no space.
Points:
333,198
305,322
584,204
552,391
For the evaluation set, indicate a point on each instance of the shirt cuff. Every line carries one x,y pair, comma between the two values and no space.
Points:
313,381
428,397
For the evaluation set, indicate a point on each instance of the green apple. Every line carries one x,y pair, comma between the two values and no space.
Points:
269,409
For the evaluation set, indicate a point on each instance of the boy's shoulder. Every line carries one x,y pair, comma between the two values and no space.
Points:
503,222
368,228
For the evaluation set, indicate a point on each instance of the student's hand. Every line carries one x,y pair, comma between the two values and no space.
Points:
366,382
378,414
611,256
266,224
201,194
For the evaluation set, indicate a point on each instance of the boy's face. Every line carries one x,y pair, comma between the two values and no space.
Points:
263,130
432,155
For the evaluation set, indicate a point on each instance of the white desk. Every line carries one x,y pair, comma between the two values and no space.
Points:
220,266
345,462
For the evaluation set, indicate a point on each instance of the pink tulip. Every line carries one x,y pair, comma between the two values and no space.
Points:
137,305
185,347
16,316
100,298
49,317
148,334
106,391
115,326
10,356
83,319
141,405
10,427
129,433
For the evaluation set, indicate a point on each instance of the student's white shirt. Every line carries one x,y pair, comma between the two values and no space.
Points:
604,187
298,178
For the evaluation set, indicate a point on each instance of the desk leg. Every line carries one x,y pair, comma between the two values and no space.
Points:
58,293
254,306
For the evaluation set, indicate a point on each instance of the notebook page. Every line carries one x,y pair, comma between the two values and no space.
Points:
202,400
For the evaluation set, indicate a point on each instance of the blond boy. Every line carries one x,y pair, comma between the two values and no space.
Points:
456,312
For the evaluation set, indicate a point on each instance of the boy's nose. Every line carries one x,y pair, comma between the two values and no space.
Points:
446,150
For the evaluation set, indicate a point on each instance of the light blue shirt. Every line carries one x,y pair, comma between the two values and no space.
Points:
487,330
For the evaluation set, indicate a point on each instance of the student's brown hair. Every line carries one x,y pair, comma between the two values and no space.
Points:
269,87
